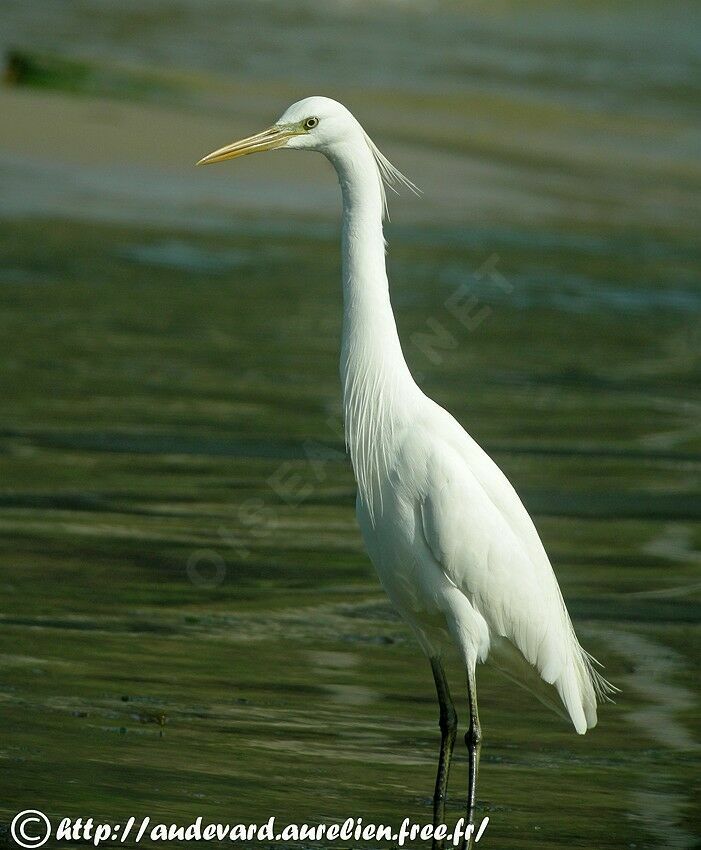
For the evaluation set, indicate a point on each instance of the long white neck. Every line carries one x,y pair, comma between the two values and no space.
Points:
377,385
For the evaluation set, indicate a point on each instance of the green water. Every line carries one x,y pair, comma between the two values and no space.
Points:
157,417
189,624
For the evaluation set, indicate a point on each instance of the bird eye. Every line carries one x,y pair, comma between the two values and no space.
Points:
310,123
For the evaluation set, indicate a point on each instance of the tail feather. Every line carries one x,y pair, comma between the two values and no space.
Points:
581,688
576,700
507,659
573,695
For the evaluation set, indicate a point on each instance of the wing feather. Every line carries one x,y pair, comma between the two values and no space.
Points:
484,540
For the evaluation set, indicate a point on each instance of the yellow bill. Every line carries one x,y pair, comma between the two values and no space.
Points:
268,140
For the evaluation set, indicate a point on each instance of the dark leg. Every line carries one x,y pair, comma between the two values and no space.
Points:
448,723
473,740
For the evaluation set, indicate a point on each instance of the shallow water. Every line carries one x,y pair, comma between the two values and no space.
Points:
161,557
190,625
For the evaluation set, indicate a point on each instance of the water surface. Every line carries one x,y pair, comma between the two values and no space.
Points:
190,625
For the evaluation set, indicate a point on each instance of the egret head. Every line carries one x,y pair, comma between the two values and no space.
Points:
315,123
324,125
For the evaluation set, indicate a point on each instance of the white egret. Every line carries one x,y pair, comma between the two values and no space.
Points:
454,547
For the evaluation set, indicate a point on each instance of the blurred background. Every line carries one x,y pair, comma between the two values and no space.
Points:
189,623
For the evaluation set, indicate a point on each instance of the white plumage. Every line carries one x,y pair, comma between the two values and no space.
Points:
454,547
